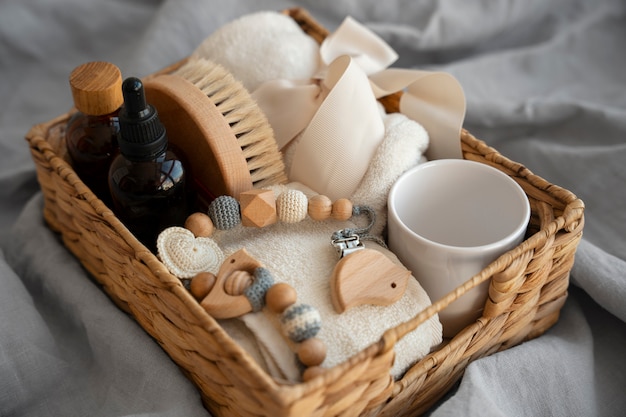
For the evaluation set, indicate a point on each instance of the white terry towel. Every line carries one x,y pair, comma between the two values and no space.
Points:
301,255
262,46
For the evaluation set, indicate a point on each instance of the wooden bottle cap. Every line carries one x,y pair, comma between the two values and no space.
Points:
97,88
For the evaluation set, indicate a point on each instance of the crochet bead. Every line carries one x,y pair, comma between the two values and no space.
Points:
342,209
279,297
224,212
255,293
291,206
312,352
258,208
301,322
320,207
200,225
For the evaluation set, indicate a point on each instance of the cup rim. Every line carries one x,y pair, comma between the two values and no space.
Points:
510,237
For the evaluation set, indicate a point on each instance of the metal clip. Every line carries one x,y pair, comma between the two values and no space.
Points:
347,244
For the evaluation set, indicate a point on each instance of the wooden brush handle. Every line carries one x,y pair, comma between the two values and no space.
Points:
195,125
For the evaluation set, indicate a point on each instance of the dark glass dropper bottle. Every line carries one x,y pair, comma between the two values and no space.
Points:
147,179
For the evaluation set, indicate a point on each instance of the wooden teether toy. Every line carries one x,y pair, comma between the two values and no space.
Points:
362,275
366,277
229,295
242,286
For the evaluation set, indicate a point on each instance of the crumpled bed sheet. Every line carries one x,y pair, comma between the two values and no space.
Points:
545,84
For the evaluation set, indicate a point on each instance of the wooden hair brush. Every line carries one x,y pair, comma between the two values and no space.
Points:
212,118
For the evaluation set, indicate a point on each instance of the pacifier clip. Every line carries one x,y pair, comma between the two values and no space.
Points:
363,275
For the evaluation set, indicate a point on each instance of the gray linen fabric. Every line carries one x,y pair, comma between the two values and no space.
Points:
545,84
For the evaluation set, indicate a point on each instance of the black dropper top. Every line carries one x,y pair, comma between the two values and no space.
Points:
142,136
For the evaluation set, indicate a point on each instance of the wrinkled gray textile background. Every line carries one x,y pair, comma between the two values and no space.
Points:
545,84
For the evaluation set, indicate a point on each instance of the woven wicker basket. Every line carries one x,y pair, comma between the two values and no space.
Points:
528,287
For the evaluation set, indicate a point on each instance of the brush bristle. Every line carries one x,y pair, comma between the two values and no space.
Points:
248,123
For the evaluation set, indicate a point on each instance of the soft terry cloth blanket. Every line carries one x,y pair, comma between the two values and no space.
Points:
301,255
545,84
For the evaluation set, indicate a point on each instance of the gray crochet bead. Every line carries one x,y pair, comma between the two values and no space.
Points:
301,322
224,212
256,292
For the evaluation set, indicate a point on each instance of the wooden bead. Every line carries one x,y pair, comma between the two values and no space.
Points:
201,285
312,372
342,209
279,297
237,282
320,207
258,208
200,225
312,352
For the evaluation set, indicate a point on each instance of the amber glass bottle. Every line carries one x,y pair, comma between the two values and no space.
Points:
92,131
148,179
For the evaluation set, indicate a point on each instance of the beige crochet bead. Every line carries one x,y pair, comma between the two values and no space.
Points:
320,207
342,209
291,206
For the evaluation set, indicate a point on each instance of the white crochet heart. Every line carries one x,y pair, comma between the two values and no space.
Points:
185,255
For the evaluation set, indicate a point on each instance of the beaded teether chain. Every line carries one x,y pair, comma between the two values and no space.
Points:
348,240
242,285
260,208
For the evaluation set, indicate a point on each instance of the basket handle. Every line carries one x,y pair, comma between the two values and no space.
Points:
573,214
392,335
571,222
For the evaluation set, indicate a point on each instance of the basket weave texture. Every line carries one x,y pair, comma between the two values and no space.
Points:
528,286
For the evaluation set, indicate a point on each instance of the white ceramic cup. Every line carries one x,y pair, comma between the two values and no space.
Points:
450,218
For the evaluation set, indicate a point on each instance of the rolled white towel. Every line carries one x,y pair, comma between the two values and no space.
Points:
260,47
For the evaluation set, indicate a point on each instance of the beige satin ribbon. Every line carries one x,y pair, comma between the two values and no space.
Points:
338,116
